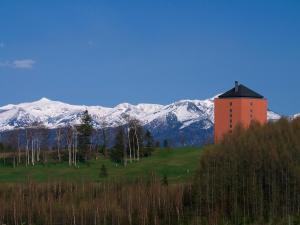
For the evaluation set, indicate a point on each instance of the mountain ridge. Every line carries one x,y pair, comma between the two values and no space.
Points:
191,119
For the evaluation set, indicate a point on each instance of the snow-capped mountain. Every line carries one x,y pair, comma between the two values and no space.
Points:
295,116
54,113
188,121
272,116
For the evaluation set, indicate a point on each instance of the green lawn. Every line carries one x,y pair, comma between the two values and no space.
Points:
177,164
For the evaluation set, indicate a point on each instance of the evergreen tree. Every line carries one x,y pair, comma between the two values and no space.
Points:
149,139
149,144
117,153
164,180
166,143
103,171
85,130
157,144
1,147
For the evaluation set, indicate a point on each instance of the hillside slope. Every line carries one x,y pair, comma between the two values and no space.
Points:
177,164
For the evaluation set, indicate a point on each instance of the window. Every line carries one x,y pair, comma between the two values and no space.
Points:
230,116
251,103
230,103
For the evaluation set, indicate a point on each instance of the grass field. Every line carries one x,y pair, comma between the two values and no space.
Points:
177,164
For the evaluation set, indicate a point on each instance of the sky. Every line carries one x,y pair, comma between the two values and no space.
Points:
100,52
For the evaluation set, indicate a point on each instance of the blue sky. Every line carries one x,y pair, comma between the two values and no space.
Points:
108,52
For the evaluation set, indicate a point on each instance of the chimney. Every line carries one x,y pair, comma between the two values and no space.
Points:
236,87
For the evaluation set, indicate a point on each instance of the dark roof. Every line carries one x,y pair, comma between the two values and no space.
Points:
240,91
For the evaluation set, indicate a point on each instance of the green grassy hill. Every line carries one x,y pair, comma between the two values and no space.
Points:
177,164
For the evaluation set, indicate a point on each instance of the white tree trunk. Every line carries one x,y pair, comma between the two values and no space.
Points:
75,149
27,152
70,156
129,144
19,151
38,150
32,152
137,143
58,139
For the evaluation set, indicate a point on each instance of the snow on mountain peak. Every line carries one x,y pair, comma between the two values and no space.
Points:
44,99
272,116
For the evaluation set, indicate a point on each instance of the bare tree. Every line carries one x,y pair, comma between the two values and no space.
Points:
19,145
69,130
58,132
127,127
34,135
27,137
40,134
104,137
11,141
93,140
74,145
125,158
136,123
31,133
134,134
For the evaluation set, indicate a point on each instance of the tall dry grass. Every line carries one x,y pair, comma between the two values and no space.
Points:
141,203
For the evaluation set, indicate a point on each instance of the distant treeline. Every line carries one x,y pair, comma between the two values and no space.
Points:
36,144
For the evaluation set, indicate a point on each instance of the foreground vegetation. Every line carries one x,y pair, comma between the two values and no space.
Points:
141,203
252,177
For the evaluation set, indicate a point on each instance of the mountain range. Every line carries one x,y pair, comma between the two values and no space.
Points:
185,122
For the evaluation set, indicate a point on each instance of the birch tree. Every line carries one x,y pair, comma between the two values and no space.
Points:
135,136
74,145
104,137
27,137
69,136
129,141
58,138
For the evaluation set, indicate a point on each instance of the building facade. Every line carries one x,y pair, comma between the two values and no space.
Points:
240,105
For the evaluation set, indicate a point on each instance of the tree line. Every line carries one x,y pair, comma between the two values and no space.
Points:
252,176
77,143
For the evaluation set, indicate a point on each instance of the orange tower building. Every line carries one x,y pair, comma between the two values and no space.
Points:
240,105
